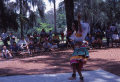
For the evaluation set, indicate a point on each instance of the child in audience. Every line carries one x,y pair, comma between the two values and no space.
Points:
31,45
56,39
6,53
98,39
54,45
14,49
42,39
46,45
89,40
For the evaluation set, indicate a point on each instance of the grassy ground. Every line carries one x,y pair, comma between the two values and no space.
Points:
1,42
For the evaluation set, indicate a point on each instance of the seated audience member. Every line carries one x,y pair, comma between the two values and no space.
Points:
93,41
70,40
115,38
6,53
54,46
42,39
31,45
39,46
89,39
28,38
12,40
50,35
40,43
62,36
98,39
119,36
14,49
22,44
56,39
46,45
72,43
43,33
35,41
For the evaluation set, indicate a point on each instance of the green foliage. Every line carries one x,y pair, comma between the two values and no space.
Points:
38,30
60,20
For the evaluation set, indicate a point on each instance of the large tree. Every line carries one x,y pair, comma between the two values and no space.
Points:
7,17
54,2
69,8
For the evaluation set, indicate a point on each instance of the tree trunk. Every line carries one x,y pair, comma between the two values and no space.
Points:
21,21
3,15
69,8
55,17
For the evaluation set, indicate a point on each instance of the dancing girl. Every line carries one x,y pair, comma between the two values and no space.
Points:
80,54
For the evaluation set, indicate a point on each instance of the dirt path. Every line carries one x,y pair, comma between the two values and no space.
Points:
58,62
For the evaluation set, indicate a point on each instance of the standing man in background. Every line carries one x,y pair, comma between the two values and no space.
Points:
11,34
108,35
112,28
4,38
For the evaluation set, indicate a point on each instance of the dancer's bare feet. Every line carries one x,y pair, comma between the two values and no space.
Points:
72,78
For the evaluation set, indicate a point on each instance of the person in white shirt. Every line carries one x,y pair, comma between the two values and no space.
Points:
23,44
46,45
6,53
112,29
115,38
4,38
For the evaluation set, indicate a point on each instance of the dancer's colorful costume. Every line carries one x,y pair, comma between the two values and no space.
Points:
80,53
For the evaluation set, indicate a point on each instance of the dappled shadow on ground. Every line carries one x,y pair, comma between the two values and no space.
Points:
107,65
55,62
